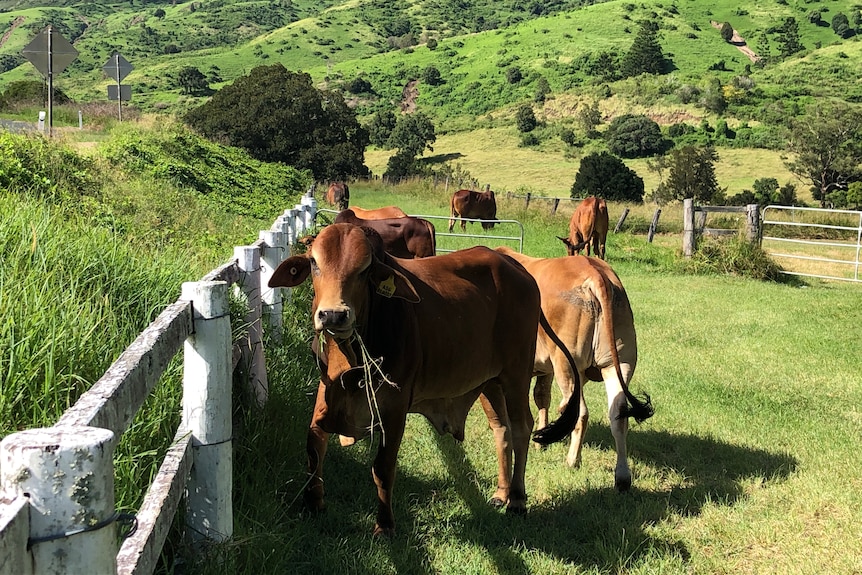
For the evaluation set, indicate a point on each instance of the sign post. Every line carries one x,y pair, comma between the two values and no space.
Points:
118,68
50,52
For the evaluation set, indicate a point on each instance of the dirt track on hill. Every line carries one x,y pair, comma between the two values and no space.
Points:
739,42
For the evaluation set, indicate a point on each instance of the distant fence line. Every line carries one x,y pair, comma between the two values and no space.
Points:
57,483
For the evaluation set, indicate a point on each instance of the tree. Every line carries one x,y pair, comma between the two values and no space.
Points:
692,174
192,81
789,42
279,116
841,25
542,90
635,136
827,144
513,75
412,135
645,55
726,32
604,175
431,76
589,117
525,118
159,13
381,126
359,85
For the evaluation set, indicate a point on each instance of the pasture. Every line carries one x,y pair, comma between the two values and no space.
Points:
750,464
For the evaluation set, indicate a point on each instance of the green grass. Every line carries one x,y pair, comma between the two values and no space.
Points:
749,464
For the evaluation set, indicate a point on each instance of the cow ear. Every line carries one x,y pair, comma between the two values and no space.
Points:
291,272
389,282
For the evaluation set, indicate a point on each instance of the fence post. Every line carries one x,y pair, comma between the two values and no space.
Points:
556,205
653,225
621,220
207,409
310,205
688,240
271,255
67,473
249,264
527,201
752,223
290,219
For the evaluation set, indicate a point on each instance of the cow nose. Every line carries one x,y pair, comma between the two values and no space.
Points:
332,318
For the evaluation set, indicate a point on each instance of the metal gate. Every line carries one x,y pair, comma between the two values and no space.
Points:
814,242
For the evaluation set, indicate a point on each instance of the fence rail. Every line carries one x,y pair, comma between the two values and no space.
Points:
56,484
818,260
694,223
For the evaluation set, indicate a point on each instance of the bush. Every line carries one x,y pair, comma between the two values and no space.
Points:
736,256
525,118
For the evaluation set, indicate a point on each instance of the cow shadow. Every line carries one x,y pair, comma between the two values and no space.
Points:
567,527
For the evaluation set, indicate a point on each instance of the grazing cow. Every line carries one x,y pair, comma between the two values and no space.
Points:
338,194
406,237
588,309
386,346
473,205
589,225
379,213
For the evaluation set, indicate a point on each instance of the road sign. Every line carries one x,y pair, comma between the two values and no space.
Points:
50,52
117,67
125,92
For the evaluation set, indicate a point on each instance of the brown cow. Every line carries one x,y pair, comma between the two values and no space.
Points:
387,346
473,205
588,309
589,225
379,213
406,237
338,194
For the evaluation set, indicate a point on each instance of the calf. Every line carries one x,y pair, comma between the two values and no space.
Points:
589,225
473,205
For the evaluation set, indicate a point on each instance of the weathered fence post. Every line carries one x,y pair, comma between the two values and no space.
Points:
653,225
752,223
248,258
310,205
527,200
621,220
67,473
207,409
688,235
556,205
271,255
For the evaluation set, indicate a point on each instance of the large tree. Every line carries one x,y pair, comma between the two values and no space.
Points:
827,144
692,174
645,55
606,176
635,136
279,116
412,135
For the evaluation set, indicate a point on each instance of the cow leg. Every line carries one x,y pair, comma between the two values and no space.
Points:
542,399
383,472
511,423
315,447
566,382
619,426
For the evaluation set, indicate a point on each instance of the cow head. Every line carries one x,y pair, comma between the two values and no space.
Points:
349,272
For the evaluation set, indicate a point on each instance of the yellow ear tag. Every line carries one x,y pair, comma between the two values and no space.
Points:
386,288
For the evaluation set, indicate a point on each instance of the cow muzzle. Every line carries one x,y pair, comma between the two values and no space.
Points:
337,323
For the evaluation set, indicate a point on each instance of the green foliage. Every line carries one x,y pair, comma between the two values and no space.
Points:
635,136
412,135
525,118
359,85
543,88
227,178
431,76
736,256
827,143
841,25
789,41
279,116
645,55
381,126
606,176
692,175
192,81
726,31
27,92
36,166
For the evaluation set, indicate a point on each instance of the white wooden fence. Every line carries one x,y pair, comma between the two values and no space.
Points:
57,512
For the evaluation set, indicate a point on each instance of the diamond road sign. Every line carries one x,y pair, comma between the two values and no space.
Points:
50,52
117,67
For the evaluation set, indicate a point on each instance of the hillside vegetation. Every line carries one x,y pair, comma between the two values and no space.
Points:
476,50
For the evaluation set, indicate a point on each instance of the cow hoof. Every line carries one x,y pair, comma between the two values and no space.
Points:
314,504
623,484
384,531
496,502
516,510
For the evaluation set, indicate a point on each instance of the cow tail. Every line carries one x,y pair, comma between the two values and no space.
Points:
639,408
433,233
562,427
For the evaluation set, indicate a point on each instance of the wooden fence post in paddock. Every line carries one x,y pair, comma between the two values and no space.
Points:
271,255
653,225
67,475
688,239
207,409
248,258
752,223
621,220
527,200
555,206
